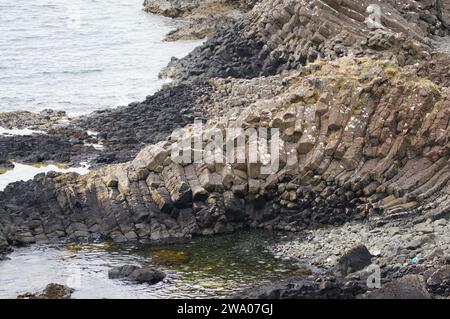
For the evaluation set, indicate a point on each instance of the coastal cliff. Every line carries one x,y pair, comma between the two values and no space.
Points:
363,119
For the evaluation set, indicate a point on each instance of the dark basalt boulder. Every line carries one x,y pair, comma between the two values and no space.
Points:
137,274
355,259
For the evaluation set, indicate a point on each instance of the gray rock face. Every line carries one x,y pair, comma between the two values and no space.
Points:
180,8
174,8
137,274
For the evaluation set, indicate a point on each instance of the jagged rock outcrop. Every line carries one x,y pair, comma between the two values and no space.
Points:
283,35
4,246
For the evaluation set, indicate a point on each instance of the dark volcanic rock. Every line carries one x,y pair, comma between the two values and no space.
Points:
35,148
284,35
306,288
137,274
355,259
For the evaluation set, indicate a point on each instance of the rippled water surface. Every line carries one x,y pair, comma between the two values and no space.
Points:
81,55
201,268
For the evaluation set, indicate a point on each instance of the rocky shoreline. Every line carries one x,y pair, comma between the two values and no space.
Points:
363,117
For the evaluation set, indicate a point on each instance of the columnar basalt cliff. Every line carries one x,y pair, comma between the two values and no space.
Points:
363,117
283,35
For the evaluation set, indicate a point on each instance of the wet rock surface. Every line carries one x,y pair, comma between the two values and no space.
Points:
137,274
52,291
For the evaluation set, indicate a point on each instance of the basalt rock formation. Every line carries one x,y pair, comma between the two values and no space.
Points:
283,35
358,138
363,125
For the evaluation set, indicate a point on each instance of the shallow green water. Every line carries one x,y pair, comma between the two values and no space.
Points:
201,268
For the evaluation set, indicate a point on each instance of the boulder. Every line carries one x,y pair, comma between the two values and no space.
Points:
355,259
137,274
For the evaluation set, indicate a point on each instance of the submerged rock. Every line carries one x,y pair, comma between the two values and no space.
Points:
52,291
137,274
